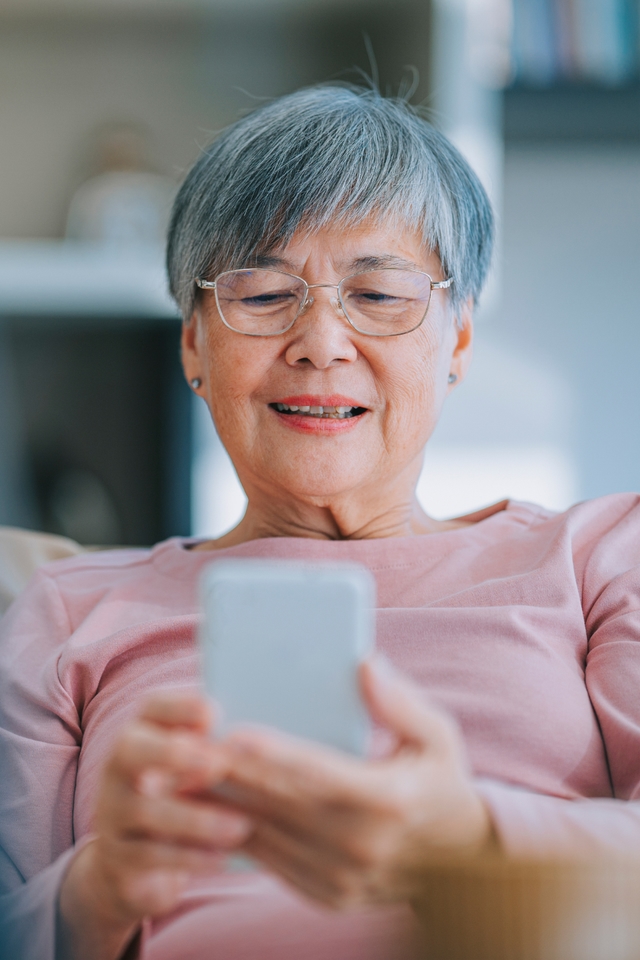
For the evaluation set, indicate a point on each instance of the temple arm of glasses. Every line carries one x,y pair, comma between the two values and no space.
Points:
441,284
206,284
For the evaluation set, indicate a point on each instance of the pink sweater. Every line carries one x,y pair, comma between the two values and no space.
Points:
525,626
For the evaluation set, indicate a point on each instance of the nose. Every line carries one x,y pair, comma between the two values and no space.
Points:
335,303
321,335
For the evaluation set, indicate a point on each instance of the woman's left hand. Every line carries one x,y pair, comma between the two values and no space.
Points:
347,831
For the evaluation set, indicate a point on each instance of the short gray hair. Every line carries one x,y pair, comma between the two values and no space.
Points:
323,154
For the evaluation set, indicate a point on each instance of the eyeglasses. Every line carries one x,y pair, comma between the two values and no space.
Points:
377,303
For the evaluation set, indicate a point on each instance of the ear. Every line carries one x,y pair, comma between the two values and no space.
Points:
190,348
463,342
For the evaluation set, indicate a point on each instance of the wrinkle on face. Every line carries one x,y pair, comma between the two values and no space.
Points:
362,479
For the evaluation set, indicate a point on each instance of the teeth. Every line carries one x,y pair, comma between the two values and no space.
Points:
336,413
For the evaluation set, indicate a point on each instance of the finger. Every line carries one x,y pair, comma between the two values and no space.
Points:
173,708
145,892
330,809
311,870
319,852
400,705
286,777
188,757
139,854
178,820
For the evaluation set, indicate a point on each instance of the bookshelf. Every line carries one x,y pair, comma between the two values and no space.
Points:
90,342
594,41
570,227
576,72
572,113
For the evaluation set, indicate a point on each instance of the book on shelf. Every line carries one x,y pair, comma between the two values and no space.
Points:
596,41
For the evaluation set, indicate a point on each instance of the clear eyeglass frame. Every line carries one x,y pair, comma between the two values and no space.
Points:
306,300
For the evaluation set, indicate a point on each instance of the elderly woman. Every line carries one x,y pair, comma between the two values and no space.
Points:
326,253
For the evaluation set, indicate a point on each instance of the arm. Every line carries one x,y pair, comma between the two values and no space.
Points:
151,828
528,824
156,825
39,745
347,831
606,548
606,552
536,825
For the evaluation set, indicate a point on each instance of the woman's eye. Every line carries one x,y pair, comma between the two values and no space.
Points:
267,299
374,297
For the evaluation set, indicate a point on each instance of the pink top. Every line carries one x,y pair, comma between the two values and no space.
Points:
525,626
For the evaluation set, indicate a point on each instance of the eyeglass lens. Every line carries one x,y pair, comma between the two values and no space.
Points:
266,302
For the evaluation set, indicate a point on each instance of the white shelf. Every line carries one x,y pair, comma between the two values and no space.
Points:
49,278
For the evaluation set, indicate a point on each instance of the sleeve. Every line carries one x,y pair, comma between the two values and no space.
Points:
611,600
607,563
40,737
539,826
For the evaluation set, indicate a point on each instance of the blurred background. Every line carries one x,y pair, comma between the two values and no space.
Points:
104,104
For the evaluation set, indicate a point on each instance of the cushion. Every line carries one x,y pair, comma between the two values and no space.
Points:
22,552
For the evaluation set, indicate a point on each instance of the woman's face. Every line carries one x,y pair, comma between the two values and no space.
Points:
400,382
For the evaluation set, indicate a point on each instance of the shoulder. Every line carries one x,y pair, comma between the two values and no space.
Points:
76,585
605,529
603,538
113,565
615,517
101,563
95,572
606,538
584,521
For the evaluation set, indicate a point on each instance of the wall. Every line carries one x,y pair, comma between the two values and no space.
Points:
571,258
184,76
182,69
62,78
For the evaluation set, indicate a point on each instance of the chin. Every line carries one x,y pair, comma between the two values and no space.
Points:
318,484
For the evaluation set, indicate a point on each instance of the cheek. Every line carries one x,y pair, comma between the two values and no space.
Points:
416,386
236,367
230,382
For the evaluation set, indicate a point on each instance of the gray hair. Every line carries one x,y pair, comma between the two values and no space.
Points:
323,154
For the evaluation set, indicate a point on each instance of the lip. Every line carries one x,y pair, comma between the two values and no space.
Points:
318,425
321,400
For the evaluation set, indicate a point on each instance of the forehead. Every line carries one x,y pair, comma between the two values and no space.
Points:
365,246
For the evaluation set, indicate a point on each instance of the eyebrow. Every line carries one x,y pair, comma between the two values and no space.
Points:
385,260
267,260
359,263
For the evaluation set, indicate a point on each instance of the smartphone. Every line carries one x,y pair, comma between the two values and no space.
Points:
281,643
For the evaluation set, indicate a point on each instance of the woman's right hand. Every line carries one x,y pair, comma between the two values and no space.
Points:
155,826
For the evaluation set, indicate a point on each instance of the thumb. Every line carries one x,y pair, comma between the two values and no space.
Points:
399,704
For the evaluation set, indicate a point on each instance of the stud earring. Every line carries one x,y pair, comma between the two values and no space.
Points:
453,377
196,383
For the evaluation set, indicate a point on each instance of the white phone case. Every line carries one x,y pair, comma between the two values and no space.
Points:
281,643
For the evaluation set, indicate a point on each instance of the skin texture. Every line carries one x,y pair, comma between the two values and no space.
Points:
341,830
360,483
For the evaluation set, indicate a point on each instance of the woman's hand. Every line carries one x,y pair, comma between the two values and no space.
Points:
347,831
155,827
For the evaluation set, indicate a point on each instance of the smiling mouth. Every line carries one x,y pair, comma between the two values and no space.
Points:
320,413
